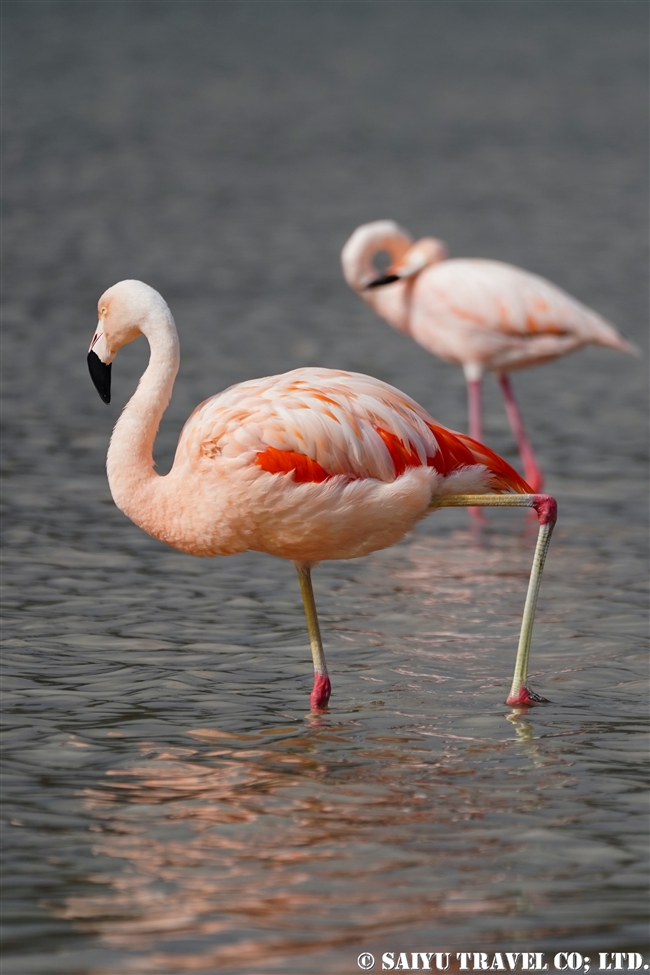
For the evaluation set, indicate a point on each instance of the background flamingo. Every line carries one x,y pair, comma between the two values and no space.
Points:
478,314
314,464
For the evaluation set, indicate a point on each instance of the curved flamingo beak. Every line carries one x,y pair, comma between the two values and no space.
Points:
408,267
382,280
422,254
99,364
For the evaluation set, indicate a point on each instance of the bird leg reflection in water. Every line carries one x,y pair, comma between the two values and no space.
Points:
311,465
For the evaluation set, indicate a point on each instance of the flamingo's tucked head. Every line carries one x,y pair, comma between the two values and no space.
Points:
365,244
122,313
425,252
407,258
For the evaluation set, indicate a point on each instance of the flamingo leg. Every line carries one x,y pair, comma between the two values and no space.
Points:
474,415
532,471
474,410
546,509
322,688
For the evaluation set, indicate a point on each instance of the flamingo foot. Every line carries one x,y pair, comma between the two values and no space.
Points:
321,691
525,696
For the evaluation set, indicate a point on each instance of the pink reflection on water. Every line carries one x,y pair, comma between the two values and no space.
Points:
239,850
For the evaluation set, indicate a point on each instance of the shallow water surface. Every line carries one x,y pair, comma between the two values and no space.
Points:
181,810
170,804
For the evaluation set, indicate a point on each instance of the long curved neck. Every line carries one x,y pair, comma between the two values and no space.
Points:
392,302
129,464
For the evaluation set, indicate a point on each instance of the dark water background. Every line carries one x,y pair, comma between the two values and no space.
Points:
169,805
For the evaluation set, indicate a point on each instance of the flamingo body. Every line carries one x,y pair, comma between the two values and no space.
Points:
310,465
491,315
317,464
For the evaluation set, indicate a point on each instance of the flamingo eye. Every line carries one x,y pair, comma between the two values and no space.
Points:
382,261
103,310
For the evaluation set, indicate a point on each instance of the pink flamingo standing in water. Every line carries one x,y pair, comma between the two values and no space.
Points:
310,465
475,313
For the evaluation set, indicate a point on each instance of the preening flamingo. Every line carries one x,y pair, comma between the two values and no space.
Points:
478,314
310,465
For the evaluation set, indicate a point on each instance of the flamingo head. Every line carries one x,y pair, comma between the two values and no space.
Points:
424,253
122,313
366,243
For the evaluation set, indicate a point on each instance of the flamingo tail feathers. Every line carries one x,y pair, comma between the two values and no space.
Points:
458,450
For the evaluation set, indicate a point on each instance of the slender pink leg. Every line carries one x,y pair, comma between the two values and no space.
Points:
474,409
532,471
474,412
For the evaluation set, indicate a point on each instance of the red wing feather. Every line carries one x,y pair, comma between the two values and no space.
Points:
458,450
403,456
276,461
455,451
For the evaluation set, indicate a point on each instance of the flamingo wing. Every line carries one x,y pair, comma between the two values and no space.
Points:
499,297
318,424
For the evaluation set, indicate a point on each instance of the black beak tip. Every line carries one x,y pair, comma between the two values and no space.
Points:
100,373
382,280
